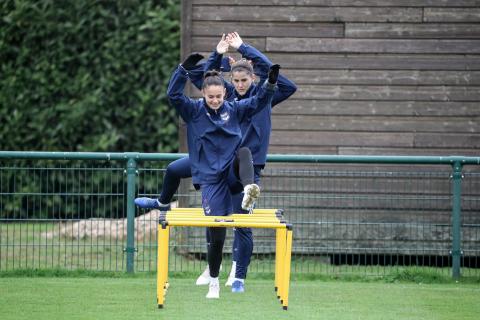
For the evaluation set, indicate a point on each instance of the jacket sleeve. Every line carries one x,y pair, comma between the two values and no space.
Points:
185,106
261,65
252,105
214,62
217,62
285,89
196,75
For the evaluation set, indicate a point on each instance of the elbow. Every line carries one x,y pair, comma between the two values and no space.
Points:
293,89
170,95
173,96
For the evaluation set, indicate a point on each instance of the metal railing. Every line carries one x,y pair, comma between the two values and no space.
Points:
76,210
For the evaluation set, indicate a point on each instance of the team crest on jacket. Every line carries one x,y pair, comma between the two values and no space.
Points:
225,116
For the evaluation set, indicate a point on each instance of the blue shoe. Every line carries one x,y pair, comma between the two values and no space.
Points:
238,287
149,203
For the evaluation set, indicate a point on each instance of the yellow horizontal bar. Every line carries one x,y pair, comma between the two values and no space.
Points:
186,221
237,216
201,214
226,218
233,224
196,210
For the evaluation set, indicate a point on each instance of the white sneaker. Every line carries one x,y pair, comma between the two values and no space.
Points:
204,278
231,276
251,194
213,289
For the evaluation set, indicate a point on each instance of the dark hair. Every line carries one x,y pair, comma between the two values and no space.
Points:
212,78
242,65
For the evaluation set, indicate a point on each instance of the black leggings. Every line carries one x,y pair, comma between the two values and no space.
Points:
243,167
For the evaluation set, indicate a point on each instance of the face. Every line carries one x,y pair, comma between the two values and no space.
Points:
242,81
214,96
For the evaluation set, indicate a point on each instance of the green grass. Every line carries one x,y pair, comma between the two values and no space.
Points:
61,278
24,246
134,297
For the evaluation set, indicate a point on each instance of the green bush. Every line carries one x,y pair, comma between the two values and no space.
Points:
88,75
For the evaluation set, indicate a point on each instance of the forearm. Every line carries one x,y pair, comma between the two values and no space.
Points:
285,89
265,95
196,75
261,100
214,61
260,61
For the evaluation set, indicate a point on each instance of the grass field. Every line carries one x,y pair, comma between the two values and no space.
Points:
135,298
24,246
59,278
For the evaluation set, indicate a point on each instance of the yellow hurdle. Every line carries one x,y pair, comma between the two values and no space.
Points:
259,218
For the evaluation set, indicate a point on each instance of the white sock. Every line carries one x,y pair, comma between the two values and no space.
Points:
234,265
212,280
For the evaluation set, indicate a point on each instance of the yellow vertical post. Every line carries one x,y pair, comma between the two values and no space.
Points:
162,263
288,261
165,248
281,261
277,257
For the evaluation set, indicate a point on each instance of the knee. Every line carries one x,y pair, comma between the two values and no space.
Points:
171,169
176,167
244,153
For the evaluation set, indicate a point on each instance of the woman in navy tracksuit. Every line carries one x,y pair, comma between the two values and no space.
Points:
255,130
214,145
256,135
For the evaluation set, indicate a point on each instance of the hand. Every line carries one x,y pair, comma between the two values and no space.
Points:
273,73
234,40
222,46
191,61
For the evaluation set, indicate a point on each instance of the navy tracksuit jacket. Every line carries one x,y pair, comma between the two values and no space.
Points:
213,135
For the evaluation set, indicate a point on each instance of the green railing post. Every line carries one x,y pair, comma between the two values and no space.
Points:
131,181
456,218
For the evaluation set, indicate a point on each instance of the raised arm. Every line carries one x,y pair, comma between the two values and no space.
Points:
185,106
194,70
261,65
260,62
285,89
215,61
262,99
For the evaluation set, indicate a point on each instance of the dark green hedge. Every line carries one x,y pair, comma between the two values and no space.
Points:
88,75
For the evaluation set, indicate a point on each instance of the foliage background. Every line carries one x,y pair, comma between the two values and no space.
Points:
88,75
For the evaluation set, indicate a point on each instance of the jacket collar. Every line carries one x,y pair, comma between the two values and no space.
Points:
211,111
247,94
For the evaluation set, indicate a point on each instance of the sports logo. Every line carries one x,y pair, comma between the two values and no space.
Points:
225,116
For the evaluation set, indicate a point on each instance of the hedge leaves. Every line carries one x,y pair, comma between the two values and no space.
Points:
88,75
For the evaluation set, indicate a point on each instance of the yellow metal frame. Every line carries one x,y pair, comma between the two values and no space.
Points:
260,218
